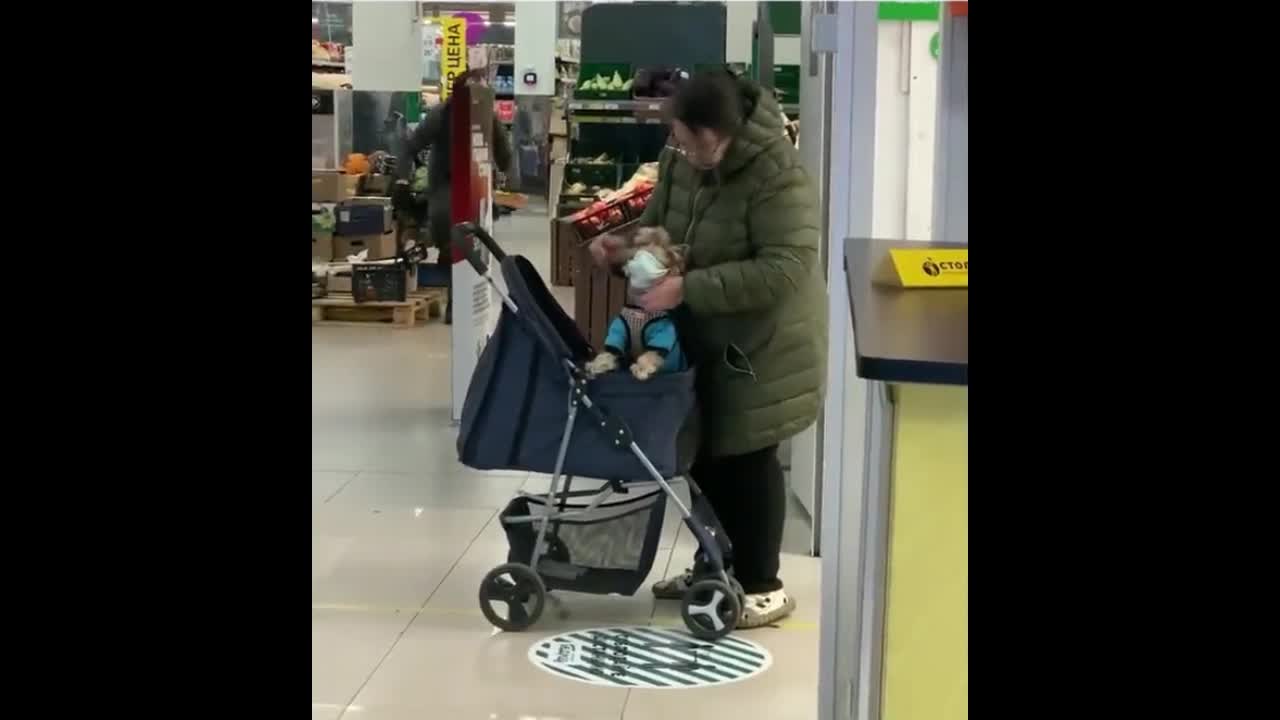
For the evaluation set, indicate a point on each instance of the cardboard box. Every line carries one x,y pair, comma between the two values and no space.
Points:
339,280
368,200
332,186
377,184
365,218
321,246
380,246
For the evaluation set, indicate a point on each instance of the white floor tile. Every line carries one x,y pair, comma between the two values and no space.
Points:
402,535
346,646
392,560
447,667
463,489
325,485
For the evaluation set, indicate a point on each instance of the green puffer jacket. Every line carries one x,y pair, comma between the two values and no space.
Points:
755,299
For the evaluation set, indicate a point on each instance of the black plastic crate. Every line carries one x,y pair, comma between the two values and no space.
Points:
604,175
379,282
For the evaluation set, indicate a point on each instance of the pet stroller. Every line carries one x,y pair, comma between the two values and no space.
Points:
531,407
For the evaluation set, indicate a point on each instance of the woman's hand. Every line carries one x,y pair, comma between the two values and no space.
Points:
604,250
666,294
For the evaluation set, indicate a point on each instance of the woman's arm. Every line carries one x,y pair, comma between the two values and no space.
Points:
427,131
501,147
784,234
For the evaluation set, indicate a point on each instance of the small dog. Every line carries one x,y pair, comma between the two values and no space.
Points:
649,339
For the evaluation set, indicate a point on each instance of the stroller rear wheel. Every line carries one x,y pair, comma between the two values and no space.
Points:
512,597
710,609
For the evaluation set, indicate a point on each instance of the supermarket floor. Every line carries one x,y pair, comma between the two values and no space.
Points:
402,535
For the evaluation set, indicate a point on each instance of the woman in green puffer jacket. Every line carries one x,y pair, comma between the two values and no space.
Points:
753,300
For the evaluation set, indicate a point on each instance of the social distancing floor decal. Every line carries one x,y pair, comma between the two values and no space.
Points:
648,657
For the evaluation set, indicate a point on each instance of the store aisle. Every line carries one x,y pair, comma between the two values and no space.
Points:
402,534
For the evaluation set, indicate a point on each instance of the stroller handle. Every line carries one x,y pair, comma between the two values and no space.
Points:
461,236
462,232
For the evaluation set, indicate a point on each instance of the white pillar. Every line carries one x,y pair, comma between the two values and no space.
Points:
906,116
739,25
951,207
841,673
387,37
536,26
786,50
815,101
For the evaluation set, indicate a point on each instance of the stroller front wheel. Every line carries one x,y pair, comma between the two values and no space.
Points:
518,590
710,609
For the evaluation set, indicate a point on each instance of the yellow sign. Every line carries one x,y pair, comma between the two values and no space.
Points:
930,267
453,54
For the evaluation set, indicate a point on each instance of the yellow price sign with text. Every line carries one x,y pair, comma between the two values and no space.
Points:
931,267
453,53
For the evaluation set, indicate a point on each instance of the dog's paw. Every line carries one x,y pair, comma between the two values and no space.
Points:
603,363
646,365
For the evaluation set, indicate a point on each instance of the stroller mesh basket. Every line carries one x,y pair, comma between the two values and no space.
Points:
604,549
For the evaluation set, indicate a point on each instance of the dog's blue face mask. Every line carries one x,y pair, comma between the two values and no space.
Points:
643,270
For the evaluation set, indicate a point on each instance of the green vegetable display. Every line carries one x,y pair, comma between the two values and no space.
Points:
323,219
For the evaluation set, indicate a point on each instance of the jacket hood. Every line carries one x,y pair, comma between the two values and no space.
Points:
761,129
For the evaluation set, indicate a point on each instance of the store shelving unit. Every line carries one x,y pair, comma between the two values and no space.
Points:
617,112
327,66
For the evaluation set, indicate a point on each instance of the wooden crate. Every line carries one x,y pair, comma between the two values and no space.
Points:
564,242
598,295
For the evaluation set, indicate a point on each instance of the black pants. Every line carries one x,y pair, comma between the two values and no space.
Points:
748,493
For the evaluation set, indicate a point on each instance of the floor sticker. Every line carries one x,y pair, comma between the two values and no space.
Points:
648,657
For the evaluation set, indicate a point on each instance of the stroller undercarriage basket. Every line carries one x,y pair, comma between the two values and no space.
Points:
531,406
606,549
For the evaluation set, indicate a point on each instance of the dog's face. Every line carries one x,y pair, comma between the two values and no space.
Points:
658,243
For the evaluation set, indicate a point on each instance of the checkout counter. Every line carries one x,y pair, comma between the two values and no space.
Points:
912,348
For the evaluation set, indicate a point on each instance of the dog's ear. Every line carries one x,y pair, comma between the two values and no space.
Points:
660,237
678,255
644,236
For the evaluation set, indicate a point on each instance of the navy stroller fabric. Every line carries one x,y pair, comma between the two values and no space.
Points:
517,404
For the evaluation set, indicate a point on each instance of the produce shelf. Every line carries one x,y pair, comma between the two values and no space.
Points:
614,119
636,106
627,105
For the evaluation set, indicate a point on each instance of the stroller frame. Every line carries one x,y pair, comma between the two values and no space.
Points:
713,603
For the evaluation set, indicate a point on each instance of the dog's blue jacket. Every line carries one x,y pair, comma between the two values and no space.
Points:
634,332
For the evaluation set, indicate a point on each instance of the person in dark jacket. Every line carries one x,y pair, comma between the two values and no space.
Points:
732,188
435,132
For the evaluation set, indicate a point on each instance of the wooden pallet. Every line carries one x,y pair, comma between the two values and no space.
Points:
342,309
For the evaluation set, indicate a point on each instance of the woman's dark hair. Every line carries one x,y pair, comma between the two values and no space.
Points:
709,100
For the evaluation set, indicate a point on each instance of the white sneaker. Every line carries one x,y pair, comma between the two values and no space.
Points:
766,608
